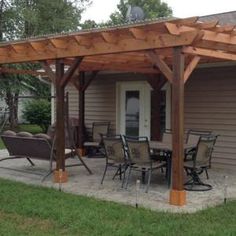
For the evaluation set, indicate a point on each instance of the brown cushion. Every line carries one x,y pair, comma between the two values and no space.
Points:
9,133
24,134
41,135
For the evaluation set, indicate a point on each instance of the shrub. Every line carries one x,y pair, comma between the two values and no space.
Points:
38,112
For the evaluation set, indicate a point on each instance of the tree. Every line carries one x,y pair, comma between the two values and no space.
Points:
151,8
26,18
89,24
34,17
38,112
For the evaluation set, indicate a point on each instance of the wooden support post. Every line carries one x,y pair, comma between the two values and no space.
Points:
81,112
60,175
156,82
177,193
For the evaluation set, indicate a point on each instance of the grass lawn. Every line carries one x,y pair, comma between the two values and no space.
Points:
34,129
28,210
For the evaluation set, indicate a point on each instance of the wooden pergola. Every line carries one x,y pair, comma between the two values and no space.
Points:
172,48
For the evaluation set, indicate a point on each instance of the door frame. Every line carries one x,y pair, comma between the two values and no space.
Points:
145,114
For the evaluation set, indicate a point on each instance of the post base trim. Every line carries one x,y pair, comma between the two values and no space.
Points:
60,176
178,197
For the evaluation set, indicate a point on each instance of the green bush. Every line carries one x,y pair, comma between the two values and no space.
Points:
38,112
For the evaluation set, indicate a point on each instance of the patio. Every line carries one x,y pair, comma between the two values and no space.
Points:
157,198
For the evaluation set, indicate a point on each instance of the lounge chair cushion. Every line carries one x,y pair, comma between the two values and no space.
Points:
9,133
41,135
24,134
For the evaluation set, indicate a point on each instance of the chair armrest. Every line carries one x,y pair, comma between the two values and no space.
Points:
189,154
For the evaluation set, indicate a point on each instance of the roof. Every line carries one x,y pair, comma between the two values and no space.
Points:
224,18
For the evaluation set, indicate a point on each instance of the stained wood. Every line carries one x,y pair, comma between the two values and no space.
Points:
178,119
81,109
69,73
8,70
60,117
81,46
91,78
50,73
191,66
209,53
160,63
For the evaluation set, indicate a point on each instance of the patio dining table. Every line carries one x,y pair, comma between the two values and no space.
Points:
166,148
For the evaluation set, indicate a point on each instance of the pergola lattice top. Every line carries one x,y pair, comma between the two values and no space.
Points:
142,47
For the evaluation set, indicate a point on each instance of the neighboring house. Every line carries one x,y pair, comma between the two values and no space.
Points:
21,103
127,100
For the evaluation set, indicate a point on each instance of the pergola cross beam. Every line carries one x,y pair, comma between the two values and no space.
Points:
209,53
69,73
167,71
190,67
82,45
160,63
48,71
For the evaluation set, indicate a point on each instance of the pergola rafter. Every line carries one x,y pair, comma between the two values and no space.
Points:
172,48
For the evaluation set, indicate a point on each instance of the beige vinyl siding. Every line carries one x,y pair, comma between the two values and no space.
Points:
100,99
210,104
73,101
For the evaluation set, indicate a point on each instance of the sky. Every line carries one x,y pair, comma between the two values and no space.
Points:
100,10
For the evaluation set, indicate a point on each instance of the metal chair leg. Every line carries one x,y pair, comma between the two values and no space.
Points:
123,181
45,176
120,173
117,172
104,174
82,161
207,174
143,175
149,179
30,161
129,172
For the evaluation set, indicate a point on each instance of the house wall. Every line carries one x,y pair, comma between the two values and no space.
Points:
100,99
210,104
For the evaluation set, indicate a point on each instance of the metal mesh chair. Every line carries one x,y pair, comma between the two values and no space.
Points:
115,155
139,158
193,137
201,162
167,136
99,129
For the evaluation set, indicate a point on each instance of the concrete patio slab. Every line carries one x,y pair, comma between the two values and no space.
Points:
81,183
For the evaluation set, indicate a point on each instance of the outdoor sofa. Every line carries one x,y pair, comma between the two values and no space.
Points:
29,146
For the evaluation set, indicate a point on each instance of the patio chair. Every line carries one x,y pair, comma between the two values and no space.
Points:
71,132
99,129
193,137
139,158
167,137
115,155
200,162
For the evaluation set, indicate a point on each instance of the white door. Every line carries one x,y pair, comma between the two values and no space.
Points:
133,108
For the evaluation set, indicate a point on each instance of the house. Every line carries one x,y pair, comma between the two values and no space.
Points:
129,101
20,107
